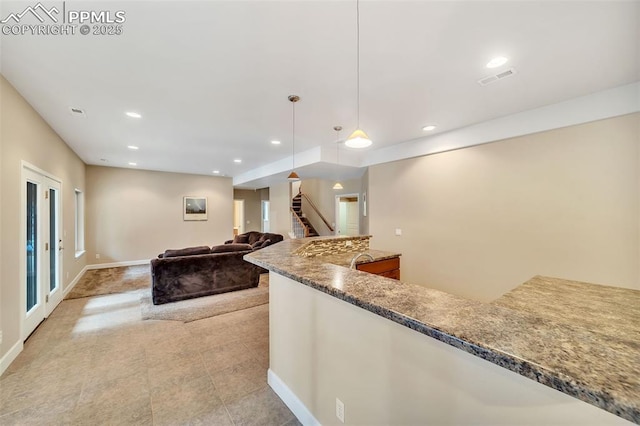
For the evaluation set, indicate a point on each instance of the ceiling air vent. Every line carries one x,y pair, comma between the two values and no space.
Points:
493,78
77,112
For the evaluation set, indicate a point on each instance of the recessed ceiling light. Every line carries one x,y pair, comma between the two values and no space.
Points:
133,147
429,128
497,61
133,164
133,114
276,142
216,172
237,160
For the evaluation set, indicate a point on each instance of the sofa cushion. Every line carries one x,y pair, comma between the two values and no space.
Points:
254,236
241,239
260,244
226,248
189,251
275,238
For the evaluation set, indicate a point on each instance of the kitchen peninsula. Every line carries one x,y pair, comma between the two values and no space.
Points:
397,353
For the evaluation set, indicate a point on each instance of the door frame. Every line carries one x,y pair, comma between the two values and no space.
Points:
337,210
26,170
239,202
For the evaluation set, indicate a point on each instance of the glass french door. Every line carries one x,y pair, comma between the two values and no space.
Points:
54,248
42,248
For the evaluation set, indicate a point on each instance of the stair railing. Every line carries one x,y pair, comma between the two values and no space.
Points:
313,206
299,227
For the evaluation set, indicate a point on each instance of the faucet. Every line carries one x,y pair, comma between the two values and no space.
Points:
358,256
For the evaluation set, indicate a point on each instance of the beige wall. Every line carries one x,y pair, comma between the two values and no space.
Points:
323,196
25,136
279,205
252,208
3,86
479,221
136,214
322,348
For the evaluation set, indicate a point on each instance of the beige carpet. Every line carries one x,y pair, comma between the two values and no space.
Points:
99,282
96,282
209,306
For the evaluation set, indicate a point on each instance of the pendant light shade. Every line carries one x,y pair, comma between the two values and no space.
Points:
338,185
293,176
358,139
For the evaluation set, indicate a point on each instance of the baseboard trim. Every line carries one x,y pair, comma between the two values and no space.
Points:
118,264
73,283
10,356
291,400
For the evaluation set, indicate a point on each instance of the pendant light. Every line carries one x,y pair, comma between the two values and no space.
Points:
293,176
337,185
358,138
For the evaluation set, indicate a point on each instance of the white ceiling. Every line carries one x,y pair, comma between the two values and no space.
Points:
211,78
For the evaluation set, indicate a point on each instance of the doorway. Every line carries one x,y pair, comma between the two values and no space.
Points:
347,215
41,256
238,217
266,227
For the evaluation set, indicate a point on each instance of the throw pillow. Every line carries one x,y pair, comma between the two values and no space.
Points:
275,238
189,251
241,239
260,244
226,248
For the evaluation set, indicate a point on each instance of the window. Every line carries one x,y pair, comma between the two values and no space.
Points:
79,223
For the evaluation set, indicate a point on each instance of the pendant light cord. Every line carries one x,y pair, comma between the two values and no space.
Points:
358,57
293,132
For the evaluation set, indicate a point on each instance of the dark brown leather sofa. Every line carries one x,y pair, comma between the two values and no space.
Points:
203,271
198,273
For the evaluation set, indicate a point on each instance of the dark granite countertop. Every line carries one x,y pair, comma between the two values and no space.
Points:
581,339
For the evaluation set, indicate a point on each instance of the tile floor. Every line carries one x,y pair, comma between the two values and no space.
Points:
94,361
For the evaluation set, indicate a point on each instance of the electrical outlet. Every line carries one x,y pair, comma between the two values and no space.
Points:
340,410
398,232
348,243
0,337
97,255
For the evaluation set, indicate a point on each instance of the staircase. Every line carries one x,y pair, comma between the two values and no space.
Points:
301,225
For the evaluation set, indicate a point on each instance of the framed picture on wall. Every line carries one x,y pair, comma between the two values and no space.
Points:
194,208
